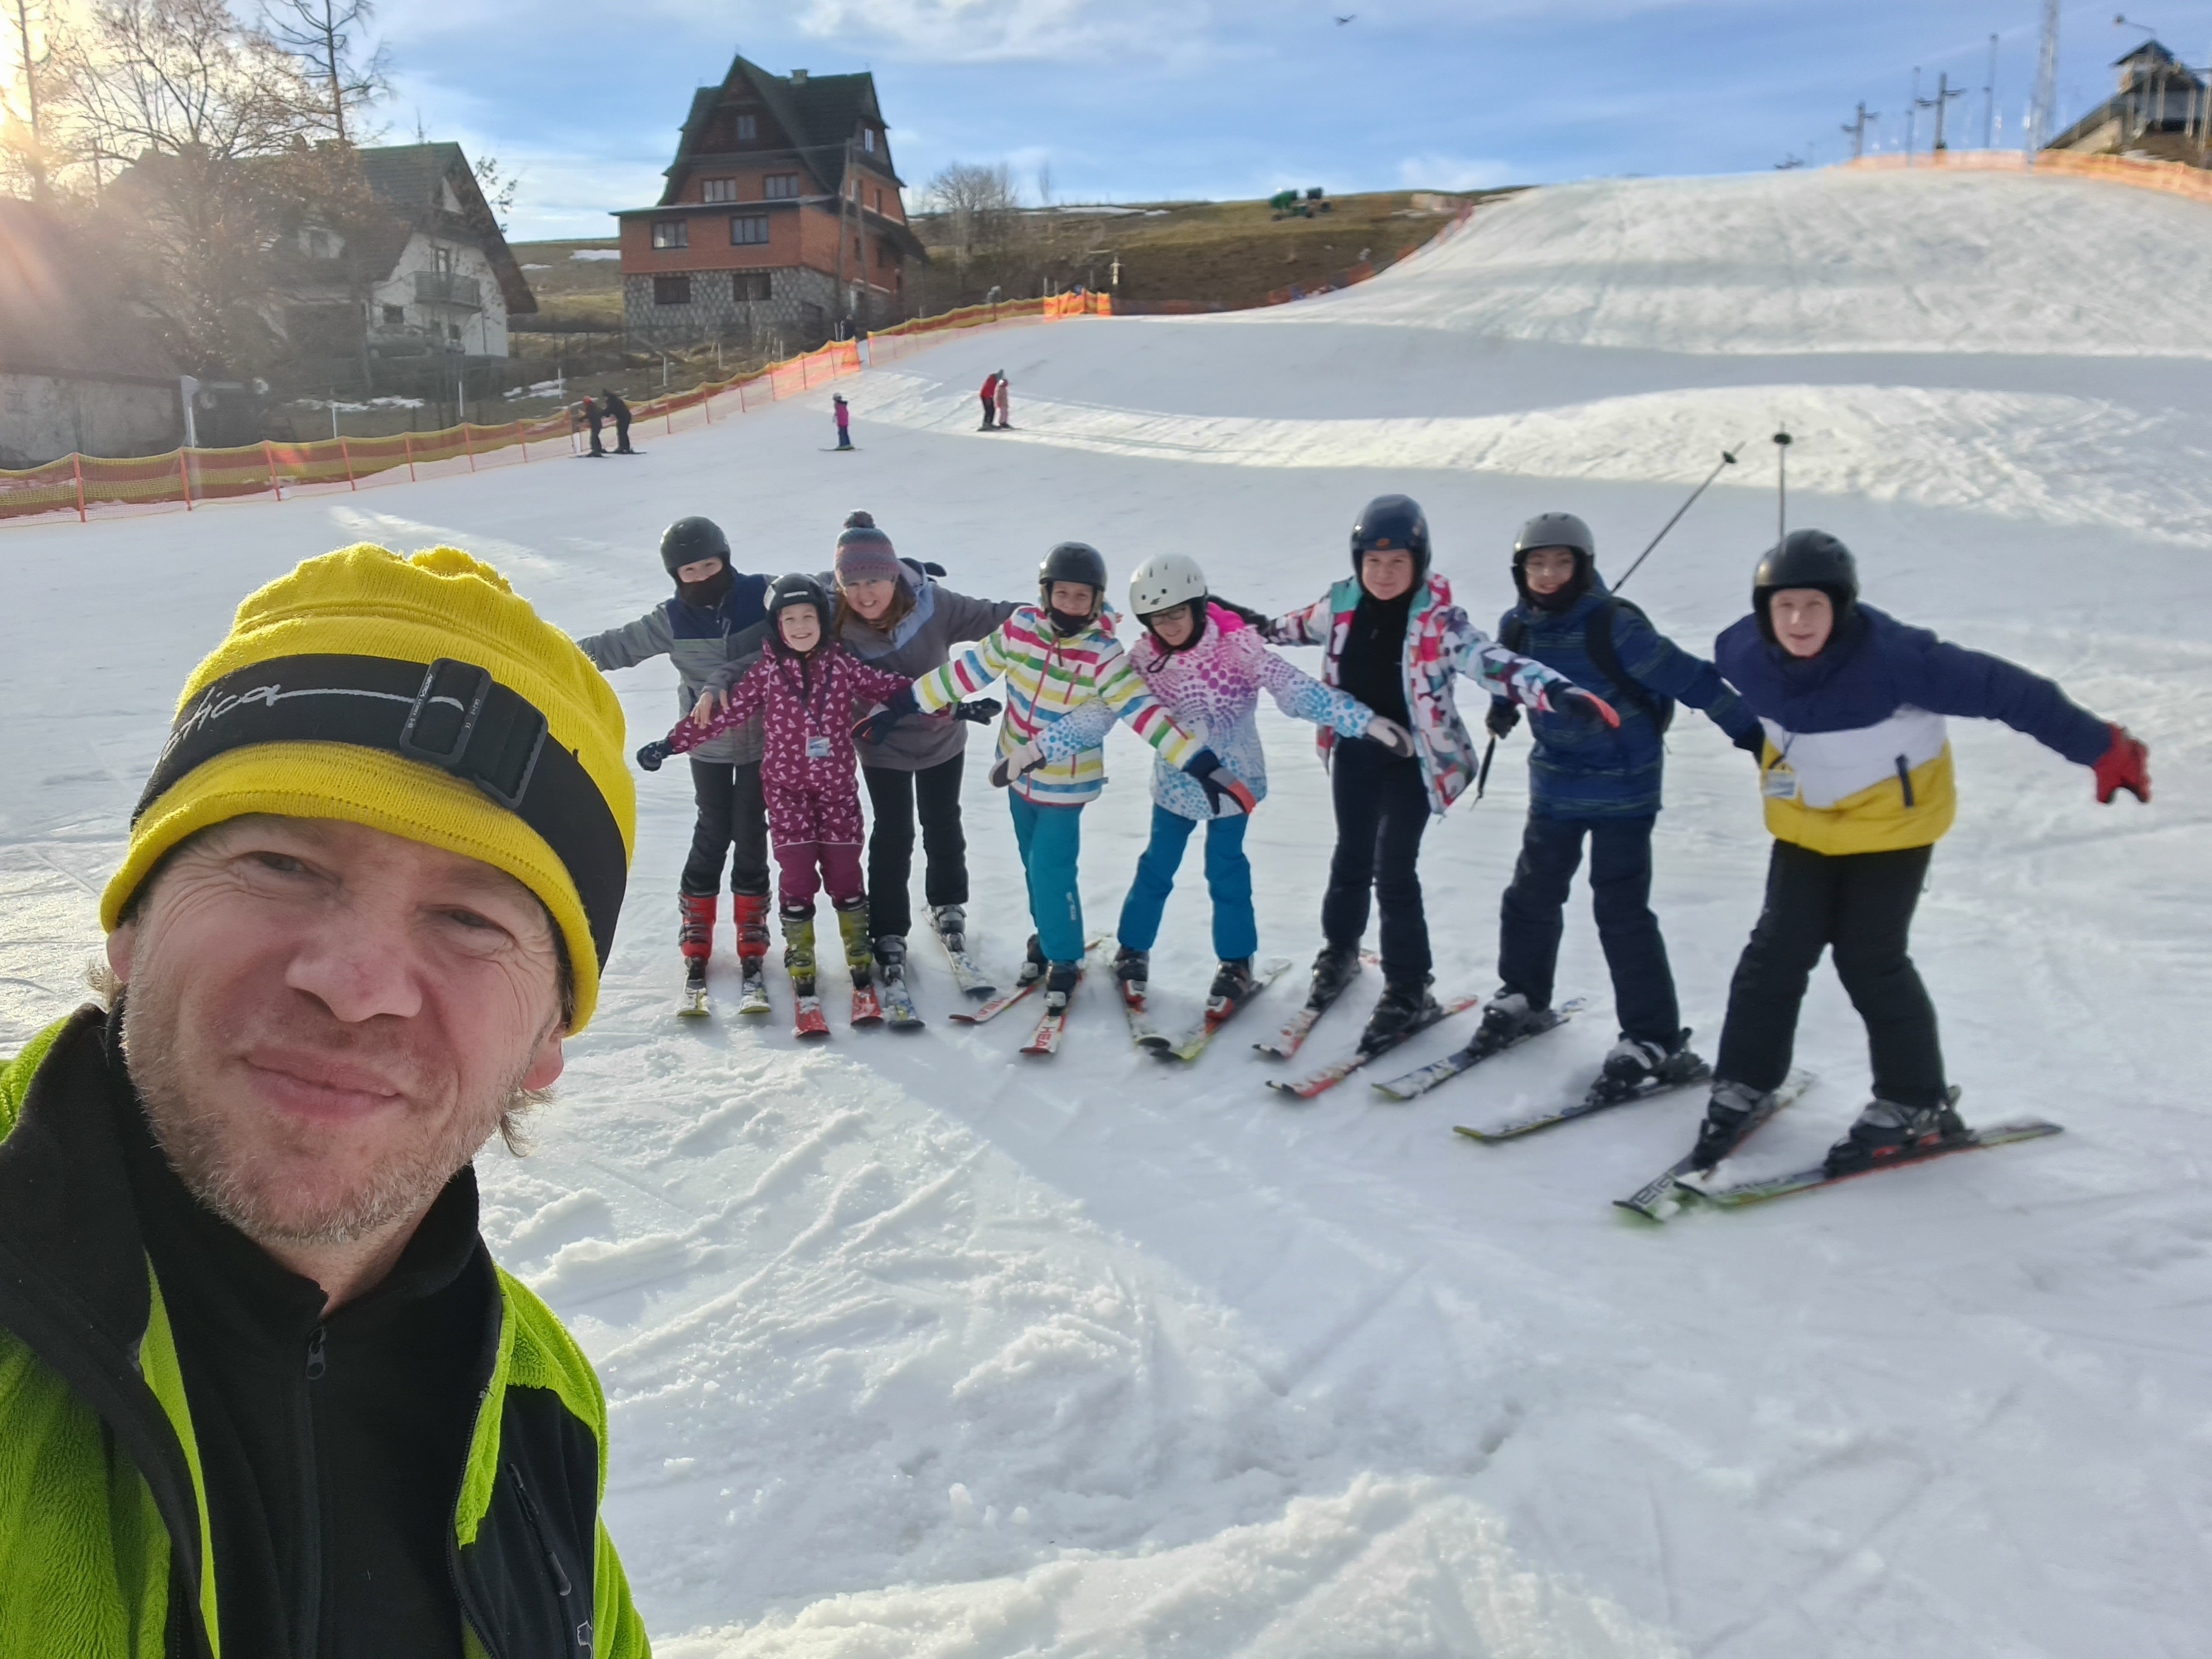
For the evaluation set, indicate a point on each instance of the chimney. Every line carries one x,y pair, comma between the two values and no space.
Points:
799,77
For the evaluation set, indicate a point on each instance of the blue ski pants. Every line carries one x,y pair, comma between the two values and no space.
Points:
1228,878
1049,838
1533,917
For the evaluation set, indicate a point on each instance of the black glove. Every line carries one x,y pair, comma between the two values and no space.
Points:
1753,742
982,710
874,728
1218,781
1578,704
931,568
1502,717
652,754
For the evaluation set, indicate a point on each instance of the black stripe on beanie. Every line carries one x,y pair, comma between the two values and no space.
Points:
447,715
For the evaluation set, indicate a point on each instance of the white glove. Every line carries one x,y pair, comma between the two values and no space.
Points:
1026,758
1391,735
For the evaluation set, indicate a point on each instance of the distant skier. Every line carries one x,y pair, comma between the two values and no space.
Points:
1395,640
618,412
990,397
594,417
715,620
843,412
1855,771
1057,656
1206,663
1599,783
999,397
892,616
804,688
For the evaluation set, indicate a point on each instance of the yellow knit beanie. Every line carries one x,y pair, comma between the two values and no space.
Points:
420,696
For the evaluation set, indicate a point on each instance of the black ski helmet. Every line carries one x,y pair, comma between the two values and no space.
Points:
689,540
1556,530
1806,558
795,589
1074,562
1392,522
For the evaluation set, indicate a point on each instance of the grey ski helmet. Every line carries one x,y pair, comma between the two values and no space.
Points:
1555,529
1806,558
1392,522
689,540
1074,562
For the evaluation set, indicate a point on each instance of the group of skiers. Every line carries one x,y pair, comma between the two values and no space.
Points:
1840,707
595,413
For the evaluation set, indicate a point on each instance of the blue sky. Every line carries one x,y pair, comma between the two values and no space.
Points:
1132,100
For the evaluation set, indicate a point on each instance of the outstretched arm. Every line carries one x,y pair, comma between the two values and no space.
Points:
1659,665
1523,680
965,675
1121,689
1950,679
632,643
1308,626
1302,697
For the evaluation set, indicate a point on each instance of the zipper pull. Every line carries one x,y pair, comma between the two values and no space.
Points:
316,1363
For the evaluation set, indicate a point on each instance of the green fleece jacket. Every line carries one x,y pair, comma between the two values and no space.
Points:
103,1511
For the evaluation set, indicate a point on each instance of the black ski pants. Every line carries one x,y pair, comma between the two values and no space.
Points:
621,435
990,412
1861,904
1382,813
732,822
1533,917
897,798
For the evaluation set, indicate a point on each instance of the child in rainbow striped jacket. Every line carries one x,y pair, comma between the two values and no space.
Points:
1056,657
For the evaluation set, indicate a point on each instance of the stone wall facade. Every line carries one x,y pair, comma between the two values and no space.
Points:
802,308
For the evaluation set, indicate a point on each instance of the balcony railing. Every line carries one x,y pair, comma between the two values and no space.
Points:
443,287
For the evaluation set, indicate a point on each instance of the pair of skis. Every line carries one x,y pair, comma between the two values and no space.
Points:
1153,1040
1051,1025
894,1006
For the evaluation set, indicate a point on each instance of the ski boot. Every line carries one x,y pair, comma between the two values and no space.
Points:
1033,962
890,959
950,922
1638,1066
1232,984
1132,968
1506,1017
1886,1130
1333,970
1732,1106
1060,978
799,949
1406,1004
860,955
695,938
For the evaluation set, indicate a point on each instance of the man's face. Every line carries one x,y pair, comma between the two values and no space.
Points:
325,1020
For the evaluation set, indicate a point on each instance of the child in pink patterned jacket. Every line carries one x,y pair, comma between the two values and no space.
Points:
805,687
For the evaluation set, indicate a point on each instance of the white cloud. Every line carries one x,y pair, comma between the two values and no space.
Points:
1434,171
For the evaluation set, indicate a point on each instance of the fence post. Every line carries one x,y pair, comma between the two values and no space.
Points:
268,455
804,380
346,455
668,413
466,444
408,438
185,479
76,466
741,397
522,443
707,402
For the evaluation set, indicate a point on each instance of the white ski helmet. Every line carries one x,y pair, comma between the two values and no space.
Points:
1164,580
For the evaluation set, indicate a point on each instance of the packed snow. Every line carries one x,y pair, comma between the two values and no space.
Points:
915,1347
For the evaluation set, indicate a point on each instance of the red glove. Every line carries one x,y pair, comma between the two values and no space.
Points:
1578,704
2126,765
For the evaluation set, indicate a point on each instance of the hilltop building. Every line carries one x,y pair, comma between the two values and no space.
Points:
782,214
2159,108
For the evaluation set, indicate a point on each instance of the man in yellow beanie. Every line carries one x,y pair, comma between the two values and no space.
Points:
262,1392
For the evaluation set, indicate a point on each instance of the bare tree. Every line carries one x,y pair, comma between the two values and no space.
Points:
980,206
321,33
27,151
499,183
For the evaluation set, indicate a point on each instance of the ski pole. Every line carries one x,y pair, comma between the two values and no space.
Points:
1727,459
1482,773
1781,488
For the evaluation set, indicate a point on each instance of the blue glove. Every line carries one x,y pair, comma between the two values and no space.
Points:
1218,781
1753,742
874,728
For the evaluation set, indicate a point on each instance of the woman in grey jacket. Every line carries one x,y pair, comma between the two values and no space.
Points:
891,614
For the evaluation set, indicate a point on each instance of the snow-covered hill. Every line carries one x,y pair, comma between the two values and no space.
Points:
915,1347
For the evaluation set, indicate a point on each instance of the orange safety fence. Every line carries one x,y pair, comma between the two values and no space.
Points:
185,479
2174,177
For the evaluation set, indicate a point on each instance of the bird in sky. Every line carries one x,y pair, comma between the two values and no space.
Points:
1347,18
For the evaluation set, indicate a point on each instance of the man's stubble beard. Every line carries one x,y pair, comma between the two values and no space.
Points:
234,1183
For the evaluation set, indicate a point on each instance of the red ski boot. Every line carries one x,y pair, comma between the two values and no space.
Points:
695,938
750,912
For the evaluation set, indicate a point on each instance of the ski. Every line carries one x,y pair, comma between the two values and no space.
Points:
1006,999
807,1020
866,1010
1051,1026
1286,1041
972,980
1192,1046
1661,1196
1590,1102
752,995
898,1006
1329,1076
1736,1195
1142,1031
693,1003
1416,1084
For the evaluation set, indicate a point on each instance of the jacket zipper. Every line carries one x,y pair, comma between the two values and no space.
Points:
529,1514
1904,781
309,1612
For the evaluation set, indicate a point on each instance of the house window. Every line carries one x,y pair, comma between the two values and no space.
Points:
395,316
719,190
879,201
671,290
671,233
748,228
453,332
748,127
857,258
868,141
780,186
746,285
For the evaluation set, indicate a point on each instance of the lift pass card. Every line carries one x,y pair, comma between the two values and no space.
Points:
817,746
1779,783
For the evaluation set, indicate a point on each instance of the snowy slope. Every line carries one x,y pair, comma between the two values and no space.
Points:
914,1347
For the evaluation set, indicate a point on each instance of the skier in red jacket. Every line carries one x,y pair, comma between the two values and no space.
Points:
990,397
